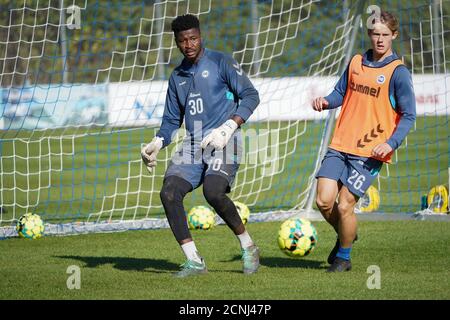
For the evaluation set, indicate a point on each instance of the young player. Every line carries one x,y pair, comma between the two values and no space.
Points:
378,110
211,93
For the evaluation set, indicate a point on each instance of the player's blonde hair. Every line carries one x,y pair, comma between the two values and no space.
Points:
389,20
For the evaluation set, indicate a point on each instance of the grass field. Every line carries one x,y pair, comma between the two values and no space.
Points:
413,257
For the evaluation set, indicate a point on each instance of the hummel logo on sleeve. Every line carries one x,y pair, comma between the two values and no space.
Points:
238,69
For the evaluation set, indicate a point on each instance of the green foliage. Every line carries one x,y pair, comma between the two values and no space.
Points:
117,40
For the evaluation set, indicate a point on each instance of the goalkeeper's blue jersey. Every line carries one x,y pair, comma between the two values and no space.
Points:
206,94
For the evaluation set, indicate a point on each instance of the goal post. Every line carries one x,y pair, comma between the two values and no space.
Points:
331,118
83,85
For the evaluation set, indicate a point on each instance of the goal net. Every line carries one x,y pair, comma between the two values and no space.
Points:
83,86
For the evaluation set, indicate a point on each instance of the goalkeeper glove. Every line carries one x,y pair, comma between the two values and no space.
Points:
218,138
150,151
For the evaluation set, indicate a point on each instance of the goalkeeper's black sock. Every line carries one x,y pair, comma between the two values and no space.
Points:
214,189
172,194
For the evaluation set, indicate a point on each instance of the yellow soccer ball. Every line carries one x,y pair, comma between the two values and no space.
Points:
201,217
30,226
297,237
243,210
370,201
437,199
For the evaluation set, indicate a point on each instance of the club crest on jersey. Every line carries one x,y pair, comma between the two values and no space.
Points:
205,74
380,79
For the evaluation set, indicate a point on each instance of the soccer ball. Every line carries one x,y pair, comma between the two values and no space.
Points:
370,201
30,226
297,237
243,210
201,217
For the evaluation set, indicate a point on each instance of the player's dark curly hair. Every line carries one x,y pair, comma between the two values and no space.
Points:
185,22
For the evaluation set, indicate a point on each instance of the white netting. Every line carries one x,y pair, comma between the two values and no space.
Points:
82,87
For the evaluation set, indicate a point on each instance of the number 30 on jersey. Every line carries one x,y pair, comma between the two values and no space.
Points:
195,106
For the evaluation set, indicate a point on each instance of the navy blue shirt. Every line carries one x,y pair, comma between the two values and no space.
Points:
401,94
205,95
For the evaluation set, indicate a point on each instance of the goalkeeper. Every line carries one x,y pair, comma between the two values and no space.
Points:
212,95
378,110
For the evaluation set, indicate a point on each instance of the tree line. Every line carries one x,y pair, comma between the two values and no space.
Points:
130,40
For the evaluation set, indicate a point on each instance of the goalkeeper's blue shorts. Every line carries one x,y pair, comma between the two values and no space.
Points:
355,172
192,163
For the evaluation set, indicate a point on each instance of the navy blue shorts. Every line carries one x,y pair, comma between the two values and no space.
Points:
355,172
192,163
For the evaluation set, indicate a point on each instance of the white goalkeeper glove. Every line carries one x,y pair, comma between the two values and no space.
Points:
150,151
218,138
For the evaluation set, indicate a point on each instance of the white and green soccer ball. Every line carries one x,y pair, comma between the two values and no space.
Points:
30,226
201,217
243,210
297,237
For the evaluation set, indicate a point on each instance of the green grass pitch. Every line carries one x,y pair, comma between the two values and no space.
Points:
413,257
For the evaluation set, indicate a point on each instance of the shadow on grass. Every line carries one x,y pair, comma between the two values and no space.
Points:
281,262
126,263
278,262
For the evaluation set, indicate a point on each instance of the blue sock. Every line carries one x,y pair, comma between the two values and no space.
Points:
344,253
